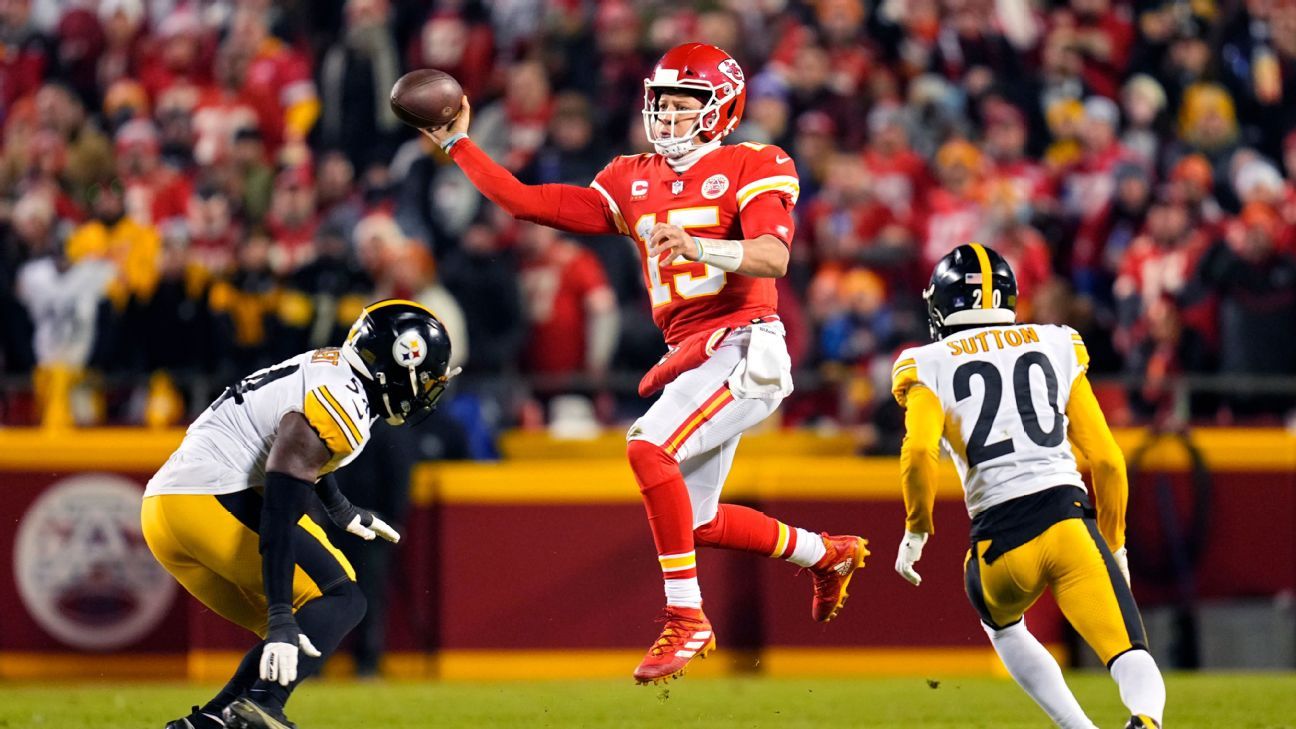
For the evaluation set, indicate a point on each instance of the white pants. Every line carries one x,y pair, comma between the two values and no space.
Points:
699,421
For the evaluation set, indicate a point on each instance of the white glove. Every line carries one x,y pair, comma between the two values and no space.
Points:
1122,562
279,660
911,548
367,525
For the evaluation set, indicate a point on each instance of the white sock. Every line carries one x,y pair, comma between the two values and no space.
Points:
1142,689
1033,667
809,548
684,593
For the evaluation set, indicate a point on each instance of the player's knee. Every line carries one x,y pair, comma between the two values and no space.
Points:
651,463
995,631
708,535
348,603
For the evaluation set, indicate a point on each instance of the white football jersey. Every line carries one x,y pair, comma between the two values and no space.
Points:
225,449
1004,391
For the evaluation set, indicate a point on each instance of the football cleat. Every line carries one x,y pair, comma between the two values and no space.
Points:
1139,721
196,720
842,556
248,714
686,635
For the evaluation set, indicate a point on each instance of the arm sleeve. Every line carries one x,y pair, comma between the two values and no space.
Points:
919,455
768,214
284,503
1088,431
565,207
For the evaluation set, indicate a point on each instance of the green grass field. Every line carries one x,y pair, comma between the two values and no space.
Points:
1235,701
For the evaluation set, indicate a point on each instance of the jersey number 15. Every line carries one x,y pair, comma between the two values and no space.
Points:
687,285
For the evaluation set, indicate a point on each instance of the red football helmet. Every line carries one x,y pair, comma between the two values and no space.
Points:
695,67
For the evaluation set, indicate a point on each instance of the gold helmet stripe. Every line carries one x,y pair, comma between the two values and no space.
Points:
987,286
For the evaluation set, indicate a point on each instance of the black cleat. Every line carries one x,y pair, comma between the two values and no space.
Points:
1138,721
196,720
248,714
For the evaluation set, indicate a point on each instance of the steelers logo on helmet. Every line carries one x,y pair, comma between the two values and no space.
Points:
409,349
402,353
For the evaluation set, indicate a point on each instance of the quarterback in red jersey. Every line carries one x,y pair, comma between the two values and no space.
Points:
713,224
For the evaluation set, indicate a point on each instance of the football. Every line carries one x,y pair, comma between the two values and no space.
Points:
426,98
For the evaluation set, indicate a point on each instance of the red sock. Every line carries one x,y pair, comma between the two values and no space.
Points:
747,530
670,511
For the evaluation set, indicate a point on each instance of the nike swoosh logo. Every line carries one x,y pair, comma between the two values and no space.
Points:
779,159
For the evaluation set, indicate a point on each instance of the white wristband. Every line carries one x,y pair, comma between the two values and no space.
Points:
726,255
450,141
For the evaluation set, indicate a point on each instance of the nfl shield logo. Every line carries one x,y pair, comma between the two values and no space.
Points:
677,187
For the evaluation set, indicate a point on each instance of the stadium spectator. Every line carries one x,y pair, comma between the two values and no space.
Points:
292,220
277,79
321,299
456,39
245,306
356,75
514,127
570,310
155,194
340,204
28,54
122,22
88,151
63,298
30,234
1166,350
1256,286
483,278
212,230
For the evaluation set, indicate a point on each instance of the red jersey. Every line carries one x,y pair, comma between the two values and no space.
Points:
277,78
707,200
555,286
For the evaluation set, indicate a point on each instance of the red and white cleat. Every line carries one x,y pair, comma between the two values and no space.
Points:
832,574
686,635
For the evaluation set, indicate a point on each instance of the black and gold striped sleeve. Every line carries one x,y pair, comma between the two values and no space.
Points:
336,427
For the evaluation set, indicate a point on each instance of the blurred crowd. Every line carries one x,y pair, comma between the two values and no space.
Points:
191,189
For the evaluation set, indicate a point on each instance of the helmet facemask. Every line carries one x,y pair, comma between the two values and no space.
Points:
416,403
704,123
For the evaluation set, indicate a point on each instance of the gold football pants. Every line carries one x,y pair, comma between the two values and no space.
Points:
1071,558
211,546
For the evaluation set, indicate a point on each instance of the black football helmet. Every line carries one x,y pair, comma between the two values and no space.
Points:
971,286
401,352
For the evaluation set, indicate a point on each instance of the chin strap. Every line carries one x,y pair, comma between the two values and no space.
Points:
682,161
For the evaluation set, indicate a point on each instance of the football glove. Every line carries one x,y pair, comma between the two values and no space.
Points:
360,522
911,548
1122,562
283,640
366,525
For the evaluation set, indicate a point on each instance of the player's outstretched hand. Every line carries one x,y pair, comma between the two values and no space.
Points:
911,548
366,525
360,522
458,126
671,244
